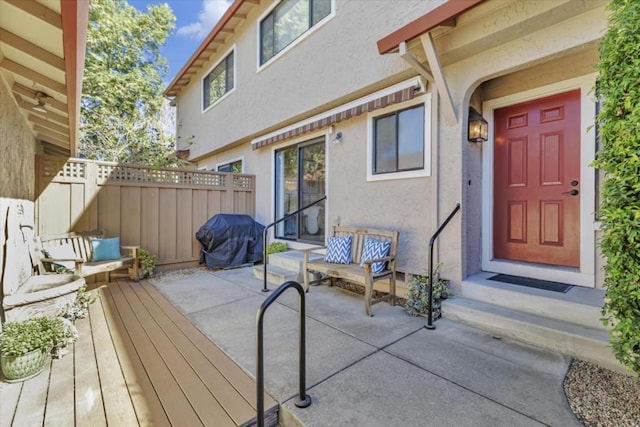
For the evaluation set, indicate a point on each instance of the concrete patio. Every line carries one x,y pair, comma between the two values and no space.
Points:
381,371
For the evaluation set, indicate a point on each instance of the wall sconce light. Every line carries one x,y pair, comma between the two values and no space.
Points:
337,139
478,127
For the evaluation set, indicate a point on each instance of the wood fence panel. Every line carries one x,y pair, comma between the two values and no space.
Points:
158,209
199,216
150,211
130,215
168,225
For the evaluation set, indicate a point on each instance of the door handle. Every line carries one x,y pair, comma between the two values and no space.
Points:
573,192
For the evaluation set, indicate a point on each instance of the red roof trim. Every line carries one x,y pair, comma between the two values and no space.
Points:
214,32
425,23
75,18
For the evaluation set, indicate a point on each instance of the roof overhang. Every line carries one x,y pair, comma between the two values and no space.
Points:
443,15
215,42
42,51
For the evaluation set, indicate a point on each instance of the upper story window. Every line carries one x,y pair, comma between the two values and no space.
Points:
399,141
287,22
218,82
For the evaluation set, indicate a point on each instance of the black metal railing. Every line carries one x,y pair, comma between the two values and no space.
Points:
265,259
430,324
304,399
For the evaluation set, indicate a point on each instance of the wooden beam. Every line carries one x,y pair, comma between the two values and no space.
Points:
425,23
31,94
51,135
31,49
53,149
439,78
47,124
34,76
240,16
52,140
49,115
38,11
413,62
226,31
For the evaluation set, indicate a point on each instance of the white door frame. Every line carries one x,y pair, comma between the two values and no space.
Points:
585,274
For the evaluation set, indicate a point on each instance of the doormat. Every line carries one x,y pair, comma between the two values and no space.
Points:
532,283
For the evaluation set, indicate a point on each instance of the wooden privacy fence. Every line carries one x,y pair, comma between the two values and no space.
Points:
158,209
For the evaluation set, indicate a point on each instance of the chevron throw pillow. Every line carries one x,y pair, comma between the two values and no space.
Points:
339,250
374,249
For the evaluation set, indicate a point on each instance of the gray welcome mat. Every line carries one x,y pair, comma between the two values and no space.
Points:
532,283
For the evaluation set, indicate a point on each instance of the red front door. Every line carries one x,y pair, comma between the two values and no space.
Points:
536,202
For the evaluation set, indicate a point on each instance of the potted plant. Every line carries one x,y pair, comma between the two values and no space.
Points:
418,294
24,345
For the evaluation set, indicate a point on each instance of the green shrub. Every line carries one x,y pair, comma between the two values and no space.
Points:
619,158
275,247
418,294
147,262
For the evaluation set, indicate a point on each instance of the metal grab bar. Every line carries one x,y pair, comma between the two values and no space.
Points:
430,324
304,400
264,239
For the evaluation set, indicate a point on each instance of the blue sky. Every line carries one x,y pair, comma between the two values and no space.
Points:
194,20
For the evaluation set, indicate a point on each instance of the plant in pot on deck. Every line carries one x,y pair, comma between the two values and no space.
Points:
24,345
418,294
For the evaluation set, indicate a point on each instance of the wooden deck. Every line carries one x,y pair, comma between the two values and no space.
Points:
138,362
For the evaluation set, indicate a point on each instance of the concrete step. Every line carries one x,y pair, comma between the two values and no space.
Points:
275,275
579,341
579,305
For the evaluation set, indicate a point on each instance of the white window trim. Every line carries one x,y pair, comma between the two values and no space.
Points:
204,76
426,100
232,160
294,43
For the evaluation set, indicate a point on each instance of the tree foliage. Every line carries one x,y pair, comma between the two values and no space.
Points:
122,116
619,159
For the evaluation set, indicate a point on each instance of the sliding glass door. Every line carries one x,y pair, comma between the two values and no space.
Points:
300,180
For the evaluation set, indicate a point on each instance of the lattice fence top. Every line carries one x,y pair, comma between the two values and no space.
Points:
61,169
113,172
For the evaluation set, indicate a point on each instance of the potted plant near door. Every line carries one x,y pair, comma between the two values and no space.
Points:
25,345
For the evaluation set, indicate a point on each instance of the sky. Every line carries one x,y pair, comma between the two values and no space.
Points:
194,20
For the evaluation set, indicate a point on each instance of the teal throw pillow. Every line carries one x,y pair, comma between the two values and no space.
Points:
106,249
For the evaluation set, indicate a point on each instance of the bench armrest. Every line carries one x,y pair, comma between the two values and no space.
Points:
312,249
383,259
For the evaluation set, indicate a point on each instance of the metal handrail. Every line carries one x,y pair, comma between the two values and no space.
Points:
264,239
430,324
304,400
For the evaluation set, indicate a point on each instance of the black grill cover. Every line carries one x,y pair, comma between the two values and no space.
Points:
229,240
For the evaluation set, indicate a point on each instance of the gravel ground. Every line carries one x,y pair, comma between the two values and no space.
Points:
600,397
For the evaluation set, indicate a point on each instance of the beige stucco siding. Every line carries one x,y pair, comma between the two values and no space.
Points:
338,60
17,149
334,66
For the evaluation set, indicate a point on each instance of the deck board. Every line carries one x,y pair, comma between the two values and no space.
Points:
88,404
59,400
138,361
174,402
118,408
220,388
205,406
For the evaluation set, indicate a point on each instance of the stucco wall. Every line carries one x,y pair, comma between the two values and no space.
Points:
295,83
17,149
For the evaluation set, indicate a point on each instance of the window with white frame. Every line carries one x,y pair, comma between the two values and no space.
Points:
289,20
399,141
218,82
235,167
